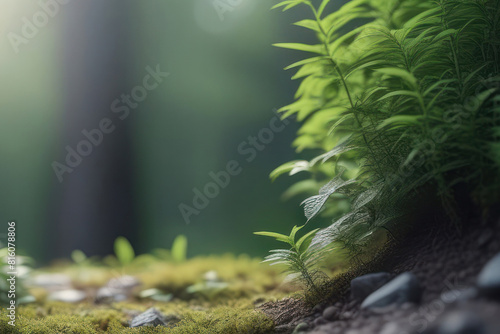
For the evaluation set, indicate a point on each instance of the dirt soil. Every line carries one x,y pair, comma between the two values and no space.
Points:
447,265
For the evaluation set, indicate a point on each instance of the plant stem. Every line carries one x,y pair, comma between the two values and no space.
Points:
344,83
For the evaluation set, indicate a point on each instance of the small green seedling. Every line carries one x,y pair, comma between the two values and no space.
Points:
179,248
124,251
78,256
301,260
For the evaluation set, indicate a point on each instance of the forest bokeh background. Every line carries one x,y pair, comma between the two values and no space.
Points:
225,81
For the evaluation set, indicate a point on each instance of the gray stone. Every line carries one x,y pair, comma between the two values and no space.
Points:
346,315
283,329
211,276
404,288
51,282
363,286
123,282
153,317
117,289
391,328
107,295
301,328
320,321
488,281
317,308
459,323
68,296
330,312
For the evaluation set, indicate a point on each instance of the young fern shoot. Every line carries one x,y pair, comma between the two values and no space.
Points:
301,260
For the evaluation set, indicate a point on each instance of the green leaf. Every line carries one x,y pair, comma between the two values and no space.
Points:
179,248
314,204
78,256
307,237
335,152
288,4
400,119
291,167
437,84
412,23
308,24
399,93
124,251
322,7
305,61
473,73
444,34
399,73
362,64
338,122
301,47
277,236
334,47
294,231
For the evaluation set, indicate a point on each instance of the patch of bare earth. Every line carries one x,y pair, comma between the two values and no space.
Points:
446,264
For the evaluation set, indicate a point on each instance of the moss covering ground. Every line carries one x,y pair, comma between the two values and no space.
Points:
227,310
56,317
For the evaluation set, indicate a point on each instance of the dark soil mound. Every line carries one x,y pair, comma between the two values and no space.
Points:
446,264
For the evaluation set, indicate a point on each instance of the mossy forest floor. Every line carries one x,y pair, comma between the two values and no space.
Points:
214,294
237,294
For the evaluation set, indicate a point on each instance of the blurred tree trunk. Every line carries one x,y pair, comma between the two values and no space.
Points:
94,201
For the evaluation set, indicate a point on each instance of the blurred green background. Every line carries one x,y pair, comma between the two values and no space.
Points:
225,81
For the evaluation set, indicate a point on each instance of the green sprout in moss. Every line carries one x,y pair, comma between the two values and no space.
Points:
179,249
301,260
124,251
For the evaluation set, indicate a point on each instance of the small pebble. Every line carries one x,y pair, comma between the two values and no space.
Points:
153,317
330,313
363,286
488,281
301,328
52,282
320,321
68,296
402,289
